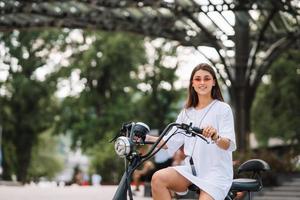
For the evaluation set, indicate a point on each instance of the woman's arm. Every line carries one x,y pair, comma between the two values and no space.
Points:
226,130
221,142
150,138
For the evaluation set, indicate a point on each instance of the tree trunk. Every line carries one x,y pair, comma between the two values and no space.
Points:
24,141
239,88
17,162
242,119
23,161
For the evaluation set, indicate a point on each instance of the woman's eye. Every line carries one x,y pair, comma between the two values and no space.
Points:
199,79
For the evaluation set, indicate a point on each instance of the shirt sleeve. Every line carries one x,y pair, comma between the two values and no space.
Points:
226,127
176,140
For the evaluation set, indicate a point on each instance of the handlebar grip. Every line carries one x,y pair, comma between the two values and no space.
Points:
147,142
197,130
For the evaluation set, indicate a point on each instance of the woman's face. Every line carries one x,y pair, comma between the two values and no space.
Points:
203,82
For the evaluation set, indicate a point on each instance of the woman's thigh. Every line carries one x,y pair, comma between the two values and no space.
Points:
171,179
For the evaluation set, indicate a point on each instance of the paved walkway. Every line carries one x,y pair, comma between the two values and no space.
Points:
61,193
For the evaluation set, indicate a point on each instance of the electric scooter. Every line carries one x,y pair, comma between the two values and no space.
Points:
132,135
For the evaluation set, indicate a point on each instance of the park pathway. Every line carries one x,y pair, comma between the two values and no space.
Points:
288,190
60,193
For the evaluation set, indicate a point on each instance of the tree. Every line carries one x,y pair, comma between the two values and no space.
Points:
105,67
45,159
276,109
153,100
158,103
27,102
247,36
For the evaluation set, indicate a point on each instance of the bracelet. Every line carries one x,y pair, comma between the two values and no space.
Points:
213,137
218,139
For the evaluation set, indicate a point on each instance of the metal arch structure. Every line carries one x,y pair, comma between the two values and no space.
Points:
248,35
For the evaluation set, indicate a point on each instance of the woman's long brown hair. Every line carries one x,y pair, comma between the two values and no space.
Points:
193,100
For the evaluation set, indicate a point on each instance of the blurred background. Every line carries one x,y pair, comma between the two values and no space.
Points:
72,72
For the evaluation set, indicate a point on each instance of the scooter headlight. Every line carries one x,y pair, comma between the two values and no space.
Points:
122,146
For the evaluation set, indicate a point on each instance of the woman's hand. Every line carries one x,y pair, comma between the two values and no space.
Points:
210,132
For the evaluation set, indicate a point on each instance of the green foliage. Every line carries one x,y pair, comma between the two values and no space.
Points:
45,159
154,102
97,112
276,110
113,71
109,66
106,162
103,104
158,102
27,103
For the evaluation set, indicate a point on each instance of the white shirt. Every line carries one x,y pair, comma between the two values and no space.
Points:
214,171
162,156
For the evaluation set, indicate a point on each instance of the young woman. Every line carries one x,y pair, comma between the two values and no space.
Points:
209,166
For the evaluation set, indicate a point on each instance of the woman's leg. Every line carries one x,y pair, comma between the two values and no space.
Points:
139,174
136,179
167,179
205,196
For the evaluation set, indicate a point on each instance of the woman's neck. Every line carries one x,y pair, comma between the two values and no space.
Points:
204,101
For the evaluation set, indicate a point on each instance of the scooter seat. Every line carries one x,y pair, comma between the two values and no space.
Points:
194,188
246,184
254,165
239,184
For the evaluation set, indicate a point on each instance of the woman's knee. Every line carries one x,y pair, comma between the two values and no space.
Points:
157,178
169,178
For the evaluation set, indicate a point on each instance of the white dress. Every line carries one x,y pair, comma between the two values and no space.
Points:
214,171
